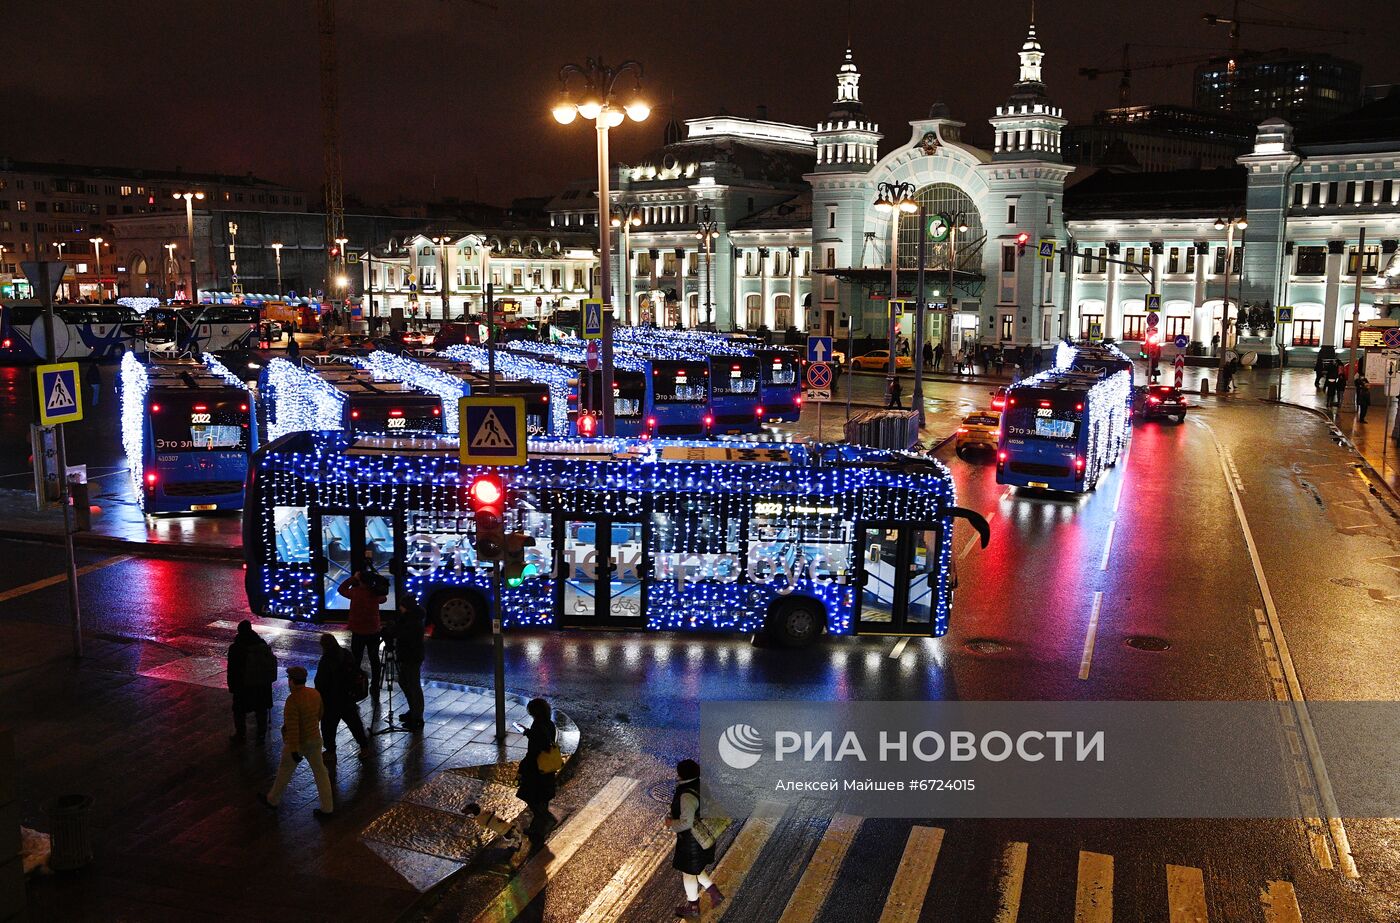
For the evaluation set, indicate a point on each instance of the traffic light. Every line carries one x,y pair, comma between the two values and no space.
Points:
1021,240
516,570
487,496
335,253
587,424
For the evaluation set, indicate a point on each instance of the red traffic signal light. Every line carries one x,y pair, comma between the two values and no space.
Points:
1021,240
487,496
335,252
587,424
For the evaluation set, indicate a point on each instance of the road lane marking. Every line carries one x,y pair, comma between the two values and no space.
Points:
1093,892
911,881
1290,674
738,860
1186,894
1280,903
1107,546
622,889
820,874
59,578
898,649
1009,879
1088,657
1118,497
532,877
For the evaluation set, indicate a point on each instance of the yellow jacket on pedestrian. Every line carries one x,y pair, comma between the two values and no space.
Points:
301,717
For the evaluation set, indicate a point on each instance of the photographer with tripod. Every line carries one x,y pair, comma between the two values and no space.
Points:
367,590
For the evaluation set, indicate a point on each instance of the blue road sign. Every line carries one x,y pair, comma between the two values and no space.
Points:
492,430
1182,341
1154,303
60,401
593,318
819,349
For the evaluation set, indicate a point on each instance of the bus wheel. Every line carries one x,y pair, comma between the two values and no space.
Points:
458,613
797,622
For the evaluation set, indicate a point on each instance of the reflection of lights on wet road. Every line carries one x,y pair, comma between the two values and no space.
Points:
534,649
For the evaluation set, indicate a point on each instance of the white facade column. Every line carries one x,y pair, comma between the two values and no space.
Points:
1335,254
764,306
1112,319
658,312
798,316
1200,318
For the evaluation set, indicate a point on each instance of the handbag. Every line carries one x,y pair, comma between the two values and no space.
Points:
708,830
550,761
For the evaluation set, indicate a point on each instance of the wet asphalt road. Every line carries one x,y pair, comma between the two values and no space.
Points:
1177,569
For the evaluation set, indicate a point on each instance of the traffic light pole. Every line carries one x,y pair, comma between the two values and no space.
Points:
498,652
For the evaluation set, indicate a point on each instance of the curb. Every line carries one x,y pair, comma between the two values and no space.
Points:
96,541
1375,476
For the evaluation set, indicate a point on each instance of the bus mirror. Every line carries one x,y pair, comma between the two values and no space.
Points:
975,520
873,554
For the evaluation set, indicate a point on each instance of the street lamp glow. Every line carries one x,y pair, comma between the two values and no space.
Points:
638,109
590,108
341,281
565,110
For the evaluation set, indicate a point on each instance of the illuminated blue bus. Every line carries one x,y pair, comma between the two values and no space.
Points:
737,402
187,429
336,393
1061,429
652,395
788,540
559,382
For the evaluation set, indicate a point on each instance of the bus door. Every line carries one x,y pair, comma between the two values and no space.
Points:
601,561
898,578
347,540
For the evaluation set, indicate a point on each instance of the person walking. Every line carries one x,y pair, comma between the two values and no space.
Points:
408,653
938,353
336,680
537,786
252,669
1363,395
301,740
94,377
691,858
927,354
1214,342
293,347
895,394
1319,371
366,595
1329,382
1000,359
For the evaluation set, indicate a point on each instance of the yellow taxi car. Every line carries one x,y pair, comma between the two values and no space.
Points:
977,431
879,361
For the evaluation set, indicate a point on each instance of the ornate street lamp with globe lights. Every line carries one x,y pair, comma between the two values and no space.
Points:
709,230
1228,225
894,199
595,96
190,197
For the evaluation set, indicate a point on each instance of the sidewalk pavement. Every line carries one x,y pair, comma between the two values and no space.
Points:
178,830
119,525
1369,439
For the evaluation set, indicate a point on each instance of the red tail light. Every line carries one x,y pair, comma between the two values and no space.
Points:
651,422
709,421
396,413
150,478
544,399
6,343
201,407
155,408
1011,401
962,429
758,411
354,415
799,400
1078,406
1001,456
1079,463
437,411
1045,403
243,408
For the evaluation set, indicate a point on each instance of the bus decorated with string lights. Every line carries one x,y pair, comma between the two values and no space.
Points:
652,395
336,393
1061,429
785,539
558,381
187,428
737,403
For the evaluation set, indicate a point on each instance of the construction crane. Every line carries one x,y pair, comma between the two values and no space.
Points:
1126,70
1234,21
330,144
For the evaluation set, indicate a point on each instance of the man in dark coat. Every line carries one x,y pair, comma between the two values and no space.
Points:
334,676
408,653
252,669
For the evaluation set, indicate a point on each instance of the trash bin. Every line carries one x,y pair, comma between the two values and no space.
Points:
70,826
1205,386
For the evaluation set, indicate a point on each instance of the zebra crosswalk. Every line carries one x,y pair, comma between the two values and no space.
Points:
638,885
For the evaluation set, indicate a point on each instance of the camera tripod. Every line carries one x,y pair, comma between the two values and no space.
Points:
390,660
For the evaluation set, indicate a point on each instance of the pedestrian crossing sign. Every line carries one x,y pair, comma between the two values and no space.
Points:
592,319
492,430
60,401
1047,248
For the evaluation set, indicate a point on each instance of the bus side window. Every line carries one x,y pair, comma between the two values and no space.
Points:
292,534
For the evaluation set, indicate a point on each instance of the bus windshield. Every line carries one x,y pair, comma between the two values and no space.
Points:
1057,425
779,367
199,423
735,375
678,382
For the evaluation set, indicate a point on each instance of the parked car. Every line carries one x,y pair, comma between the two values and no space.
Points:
879,360
1153,402
977,431
999,399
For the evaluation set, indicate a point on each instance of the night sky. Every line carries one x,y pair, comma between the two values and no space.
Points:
451,97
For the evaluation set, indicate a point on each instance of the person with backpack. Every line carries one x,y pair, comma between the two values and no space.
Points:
343,685
695,845
366,594
539,767
252,669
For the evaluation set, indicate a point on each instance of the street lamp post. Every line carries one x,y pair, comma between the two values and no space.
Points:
189,197
342,281
626,219
707,234
1228,225
277,258
440,243
598,102
166,275
895,198
97,243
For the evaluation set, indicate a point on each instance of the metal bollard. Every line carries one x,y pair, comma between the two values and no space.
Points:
82,508
1205,386
70,826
